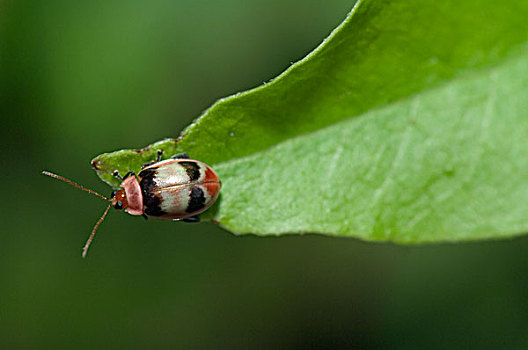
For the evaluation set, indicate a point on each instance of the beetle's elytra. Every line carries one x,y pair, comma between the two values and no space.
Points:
179,188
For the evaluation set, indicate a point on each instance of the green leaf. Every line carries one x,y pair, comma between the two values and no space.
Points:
129,160
409,124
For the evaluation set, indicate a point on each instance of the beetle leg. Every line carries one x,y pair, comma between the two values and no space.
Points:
115,173
118,176
180,156
195,218
144,216
130,173
159,153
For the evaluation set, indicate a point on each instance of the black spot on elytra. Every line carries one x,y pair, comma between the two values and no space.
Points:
151,201
148,175
152,205
192,169
197,200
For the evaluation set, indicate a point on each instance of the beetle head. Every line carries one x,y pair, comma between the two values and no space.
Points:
119,199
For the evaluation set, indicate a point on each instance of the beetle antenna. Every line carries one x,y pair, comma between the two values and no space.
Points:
89,241
74,184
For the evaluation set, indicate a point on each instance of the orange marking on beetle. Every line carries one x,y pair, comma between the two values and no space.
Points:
212,188
210,175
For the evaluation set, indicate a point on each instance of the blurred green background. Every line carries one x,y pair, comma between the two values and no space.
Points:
82,78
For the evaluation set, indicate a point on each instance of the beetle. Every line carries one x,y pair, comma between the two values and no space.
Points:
179,188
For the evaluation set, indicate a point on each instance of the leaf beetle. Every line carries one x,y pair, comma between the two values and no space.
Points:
178,188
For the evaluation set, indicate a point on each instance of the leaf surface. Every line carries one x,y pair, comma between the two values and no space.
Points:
409,124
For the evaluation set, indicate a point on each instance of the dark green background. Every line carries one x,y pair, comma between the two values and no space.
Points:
79,79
